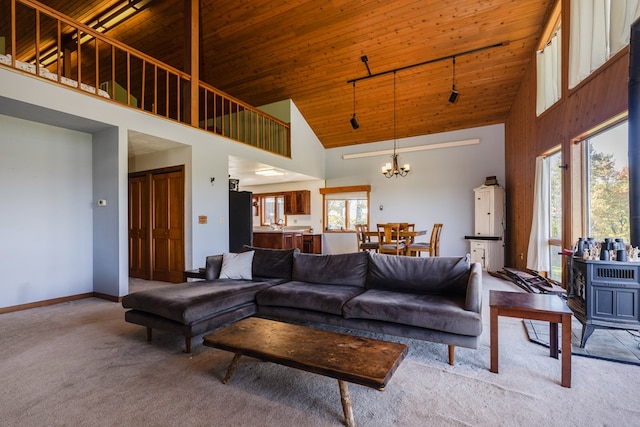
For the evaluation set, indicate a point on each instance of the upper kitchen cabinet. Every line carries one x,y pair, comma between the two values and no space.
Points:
297,202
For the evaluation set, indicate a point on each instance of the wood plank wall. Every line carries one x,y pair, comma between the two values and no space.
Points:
600,98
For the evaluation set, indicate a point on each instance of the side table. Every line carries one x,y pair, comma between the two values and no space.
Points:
194,274
544,307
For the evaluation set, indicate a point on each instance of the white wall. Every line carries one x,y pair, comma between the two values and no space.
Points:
438,189
41,101
46,217
110,222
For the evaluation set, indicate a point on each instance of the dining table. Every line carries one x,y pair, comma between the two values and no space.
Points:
404,234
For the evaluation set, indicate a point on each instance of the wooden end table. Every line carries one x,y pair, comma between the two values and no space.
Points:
347,358
194,274
545,307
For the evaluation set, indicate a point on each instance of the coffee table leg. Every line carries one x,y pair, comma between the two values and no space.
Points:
231,368
494,339
346,404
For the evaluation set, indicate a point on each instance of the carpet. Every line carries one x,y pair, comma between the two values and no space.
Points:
615,345
80,364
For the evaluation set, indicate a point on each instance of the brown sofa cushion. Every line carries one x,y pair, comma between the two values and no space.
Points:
192,301
438,312
434,275
341,269
309,296
272,263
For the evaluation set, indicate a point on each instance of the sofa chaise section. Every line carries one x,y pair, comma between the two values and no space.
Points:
194,308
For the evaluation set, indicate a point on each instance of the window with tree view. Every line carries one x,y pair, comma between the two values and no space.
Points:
345,209
555,215
607,184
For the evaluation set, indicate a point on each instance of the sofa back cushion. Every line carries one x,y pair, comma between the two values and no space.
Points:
272,263
429,275
339,269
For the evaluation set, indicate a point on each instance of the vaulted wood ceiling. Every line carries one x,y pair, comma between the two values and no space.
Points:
262,51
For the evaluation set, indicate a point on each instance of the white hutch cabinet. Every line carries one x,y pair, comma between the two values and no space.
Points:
487,242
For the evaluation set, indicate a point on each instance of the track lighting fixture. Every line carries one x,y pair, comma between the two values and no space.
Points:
354,121
454,92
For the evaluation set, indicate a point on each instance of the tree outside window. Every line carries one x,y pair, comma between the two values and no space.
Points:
608,184
345,207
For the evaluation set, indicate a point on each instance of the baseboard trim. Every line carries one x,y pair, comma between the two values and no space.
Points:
107,297
54,301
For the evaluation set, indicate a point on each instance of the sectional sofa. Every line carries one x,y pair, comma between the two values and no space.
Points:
434,299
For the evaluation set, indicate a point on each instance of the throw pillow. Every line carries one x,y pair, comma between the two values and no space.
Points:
236,266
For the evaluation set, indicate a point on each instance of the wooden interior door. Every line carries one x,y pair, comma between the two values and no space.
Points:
167,226
139,247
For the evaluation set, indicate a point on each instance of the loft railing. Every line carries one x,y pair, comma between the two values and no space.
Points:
41,41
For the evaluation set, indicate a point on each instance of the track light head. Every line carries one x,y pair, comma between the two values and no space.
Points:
454,95
354,122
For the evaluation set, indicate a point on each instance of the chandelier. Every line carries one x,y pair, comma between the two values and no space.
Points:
393,169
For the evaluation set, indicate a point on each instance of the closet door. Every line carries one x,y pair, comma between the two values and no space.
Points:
139,248
167,226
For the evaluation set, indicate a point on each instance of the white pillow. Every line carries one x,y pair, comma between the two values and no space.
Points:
237,266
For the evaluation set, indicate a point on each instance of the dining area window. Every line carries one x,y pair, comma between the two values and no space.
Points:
344,207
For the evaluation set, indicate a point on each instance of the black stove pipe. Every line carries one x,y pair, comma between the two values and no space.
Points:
634,133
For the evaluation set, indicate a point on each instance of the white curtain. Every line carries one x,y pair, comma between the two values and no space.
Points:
548,74
599,29
538,252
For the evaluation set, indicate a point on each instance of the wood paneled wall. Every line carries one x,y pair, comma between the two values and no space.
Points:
601,97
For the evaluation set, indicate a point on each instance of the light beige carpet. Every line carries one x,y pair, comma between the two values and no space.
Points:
80,364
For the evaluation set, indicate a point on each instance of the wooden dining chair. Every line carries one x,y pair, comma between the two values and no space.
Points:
389,241
364,239
432,247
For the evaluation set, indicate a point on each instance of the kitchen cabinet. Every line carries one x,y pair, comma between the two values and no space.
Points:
312,244
297,202
278,239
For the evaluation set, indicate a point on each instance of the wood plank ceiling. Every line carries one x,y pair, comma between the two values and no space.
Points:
262,51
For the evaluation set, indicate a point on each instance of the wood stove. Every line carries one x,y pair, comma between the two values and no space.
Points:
604,294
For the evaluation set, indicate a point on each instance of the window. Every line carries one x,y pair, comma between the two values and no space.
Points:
548,62
599,29
545,239
345,207
606,184
272,209
555,215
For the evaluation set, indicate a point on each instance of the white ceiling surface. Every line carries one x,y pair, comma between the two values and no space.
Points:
239,168
245,171
141,144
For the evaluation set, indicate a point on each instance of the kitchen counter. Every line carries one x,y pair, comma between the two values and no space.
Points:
286,230
278,239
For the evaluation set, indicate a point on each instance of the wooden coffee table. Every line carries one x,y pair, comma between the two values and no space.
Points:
347,358
546,307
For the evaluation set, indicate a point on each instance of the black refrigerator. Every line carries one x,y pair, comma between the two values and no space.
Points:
240,220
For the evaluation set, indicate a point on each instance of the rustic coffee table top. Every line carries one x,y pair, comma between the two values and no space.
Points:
350,358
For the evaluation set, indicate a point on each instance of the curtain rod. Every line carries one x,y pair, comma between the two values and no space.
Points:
427,62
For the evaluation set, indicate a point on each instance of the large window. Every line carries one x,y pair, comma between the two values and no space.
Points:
545,239
555,215
548,63
606,184
344,207
599,29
